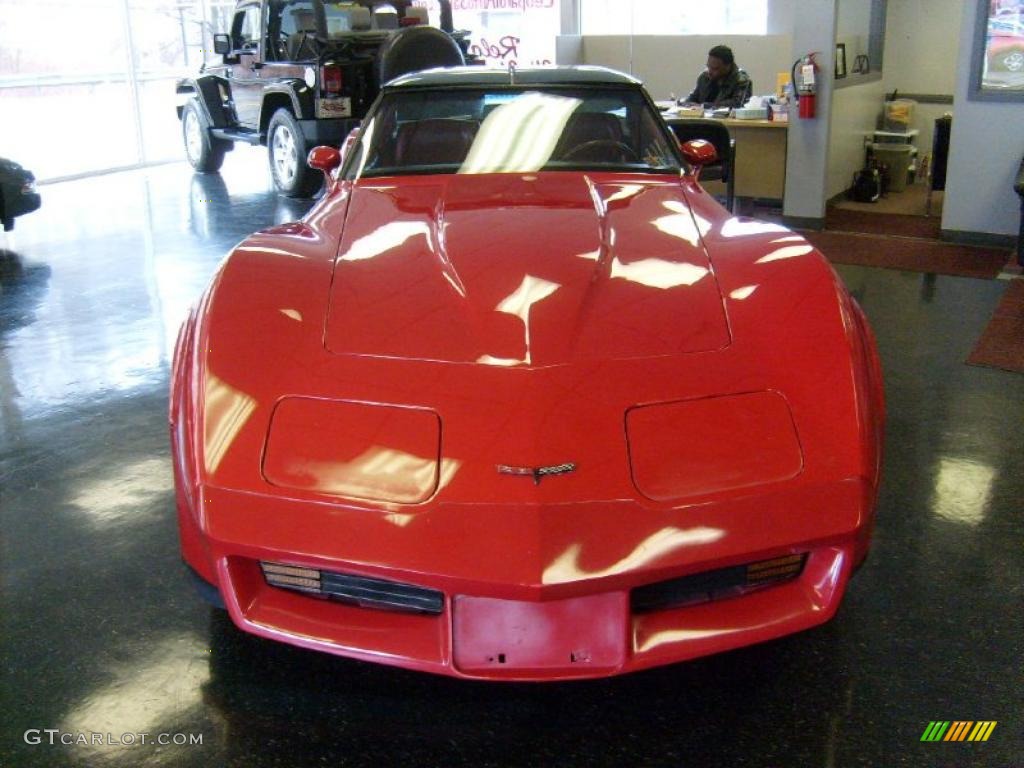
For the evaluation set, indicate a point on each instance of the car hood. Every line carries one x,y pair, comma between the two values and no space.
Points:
523,270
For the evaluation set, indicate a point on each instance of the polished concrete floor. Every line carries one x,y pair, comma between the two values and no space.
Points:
101,634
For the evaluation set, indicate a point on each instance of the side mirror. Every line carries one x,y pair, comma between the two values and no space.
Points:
325,159
698,153
222,44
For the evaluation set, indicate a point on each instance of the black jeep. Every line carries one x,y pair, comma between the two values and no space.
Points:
297,73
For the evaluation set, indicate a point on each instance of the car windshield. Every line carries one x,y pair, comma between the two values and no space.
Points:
513,130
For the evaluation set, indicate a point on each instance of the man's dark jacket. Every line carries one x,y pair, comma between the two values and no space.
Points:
733,90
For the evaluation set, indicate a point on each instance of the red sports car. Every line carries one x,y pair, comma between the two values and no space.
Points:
518,399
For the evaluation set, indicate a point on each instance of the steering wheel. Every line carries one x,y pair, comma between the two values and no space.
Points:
631,154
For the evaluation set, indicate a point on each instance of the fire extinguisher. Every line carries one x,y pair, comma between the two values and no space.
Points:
805,86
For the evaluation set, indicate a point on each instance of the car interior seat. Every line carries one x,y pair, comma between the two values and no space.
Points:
300,42
434,140
385,18
360,19
591,136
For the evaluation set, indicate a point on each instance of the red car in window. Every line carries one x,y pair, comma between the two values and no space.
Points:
518,399
1005,51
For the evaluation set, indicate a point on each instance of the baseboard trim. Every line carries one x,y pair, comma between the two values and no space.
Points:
804,222
989,239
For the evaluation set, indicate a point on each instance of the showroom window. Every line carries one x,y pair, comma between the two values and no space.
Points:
91,88
519,32
674,17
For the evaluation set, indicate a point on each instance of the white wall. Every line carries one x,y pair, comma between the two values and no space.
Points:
672,63
780,16
807,171
854,115
921,42
985,152
853,26
568,49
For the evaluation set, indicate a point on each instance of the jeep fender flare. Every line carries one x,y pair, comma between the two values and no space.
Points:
293,94
206,90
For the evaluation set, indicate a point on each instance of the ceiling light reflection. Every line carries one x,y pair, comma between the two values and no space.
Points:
531,291
658,273
669,636
785,252
275,252
963,490
386,237
147,695
122,495
679,225
365,143
378,473
624,192
738,227
519,303
520,135
504,361
742,293
294,314
226,410
566,567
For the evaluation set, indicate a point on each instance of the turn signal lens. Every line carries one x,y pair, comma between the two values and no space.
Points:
331,78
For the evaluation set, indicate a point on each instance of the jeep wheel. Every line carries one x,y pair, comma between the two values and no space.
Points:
205,153
287,151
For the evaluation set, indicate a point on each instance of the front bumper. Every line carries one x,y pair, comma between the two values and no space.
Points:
570,621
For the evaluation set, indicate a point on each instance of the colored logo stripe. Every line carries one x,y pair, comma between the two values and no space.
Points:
958,730
982,730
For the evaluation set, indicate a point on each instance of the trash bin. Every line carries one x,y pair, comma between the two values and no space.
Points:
898,158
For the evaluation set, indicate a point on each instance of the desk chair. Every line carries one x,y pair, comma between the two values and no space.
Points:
687,128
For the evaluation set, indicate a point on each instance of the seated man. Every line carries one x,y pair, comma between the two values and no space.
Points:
722,84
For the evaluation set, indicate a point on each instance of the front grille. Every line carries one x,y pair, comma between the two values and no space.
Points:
360,590
717,584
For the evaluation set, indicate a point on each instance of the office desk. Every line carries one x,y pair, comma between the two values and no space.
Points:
760,158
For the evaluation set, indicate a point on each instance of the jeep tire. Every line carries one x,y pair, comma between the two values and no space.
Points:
286,151
205,153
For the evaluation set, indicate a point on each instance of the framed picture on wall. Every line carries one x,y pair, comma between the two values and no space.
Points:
840,60
997,60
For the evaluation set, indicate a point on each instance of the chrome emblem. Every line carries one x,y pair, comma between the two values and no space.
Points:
538,473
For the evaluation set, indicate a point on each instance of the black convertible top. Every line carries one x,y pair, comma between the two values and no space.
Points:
481,76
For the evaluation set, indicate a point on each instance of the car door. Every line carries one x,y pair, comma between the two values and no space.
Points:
245,71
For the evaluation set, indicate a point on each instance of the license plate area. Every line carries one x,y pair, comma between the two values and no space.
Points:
576,636
334,107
